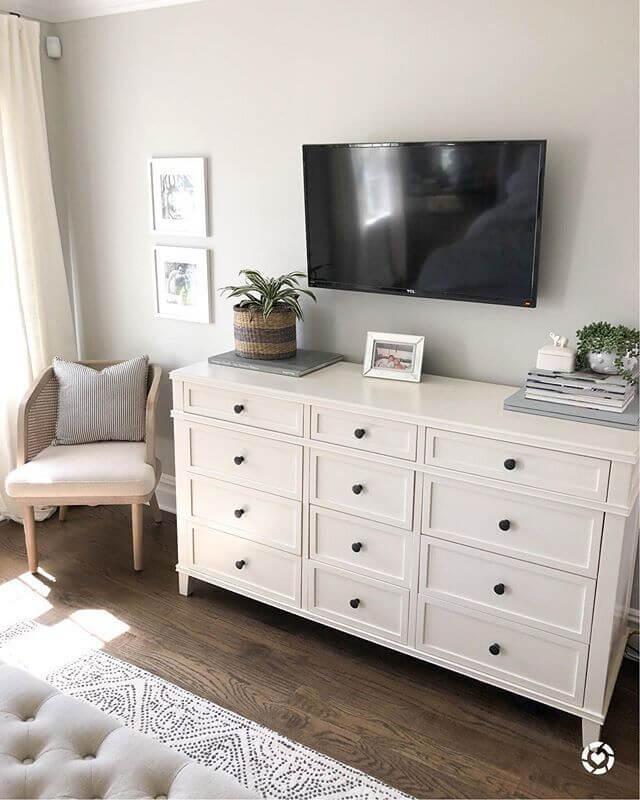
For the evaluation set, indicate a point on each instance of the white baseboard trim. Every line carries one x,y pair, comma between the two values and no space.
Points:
166,493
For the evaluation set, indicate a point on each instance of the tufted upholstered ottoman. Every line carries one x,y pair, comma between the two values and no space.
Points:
52,746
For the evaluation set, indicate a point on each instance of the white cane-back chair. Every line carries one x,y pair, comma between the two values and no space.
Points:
99,473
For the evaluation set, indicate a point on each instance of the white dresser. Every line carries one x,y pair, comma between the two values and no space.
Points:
419,516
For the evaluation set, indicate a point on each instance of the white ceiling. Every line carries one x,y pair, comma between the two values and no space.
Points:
65,10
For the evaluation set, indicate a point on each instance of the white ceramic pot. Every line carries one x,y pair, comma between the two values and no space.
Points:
604,363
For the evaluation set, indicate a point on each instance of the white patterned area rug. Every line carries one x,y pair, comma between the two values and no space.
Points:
261,759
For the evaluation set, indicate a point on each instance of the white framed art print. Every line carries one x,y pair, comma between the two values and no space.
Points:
182,286
179,196
394,356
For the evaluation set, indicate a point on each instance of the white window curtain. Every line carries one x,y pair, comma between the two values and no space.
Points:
35,312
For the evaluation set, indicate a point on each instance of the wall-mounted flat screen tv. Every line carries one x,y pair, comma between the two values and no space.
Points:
456,220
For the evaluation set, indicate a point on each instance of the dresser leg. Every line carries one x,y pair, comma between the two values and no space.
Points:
590,732
183,584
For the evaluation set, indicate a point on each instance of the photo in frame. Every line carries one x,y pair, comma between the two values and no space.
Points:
394,356
178,196
182,283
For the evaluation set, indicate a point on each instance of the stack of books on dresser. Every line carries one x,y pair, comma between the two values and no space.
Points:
589,390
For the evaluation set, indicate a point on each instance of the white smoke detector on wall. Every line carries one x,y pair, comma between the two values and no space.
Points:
54,47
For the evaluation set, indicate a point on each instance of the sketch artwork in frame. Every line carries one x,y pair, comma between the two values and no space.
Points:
178,196
182,287
394,356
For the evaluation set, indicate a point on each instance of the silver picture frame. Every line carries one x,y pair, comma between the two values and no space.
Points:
394,356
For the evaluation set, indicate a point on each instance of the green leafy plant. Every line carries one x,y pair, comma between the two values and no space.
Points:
602,337
260,294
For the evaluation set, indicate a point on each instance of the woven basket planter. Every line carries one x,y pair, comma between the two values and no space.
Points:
267,339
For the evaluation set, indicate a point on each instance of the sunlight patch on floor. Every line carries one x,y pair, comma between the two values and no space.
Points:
22,598
38,583
100,623
44,648
49,647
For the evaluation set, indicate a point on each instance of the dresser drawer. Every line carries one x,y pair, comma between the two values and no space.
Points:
235,405
264,518
373,434
541,662
243,458
370,549
543,598
369,606
247,565
566,473
554,534
364,488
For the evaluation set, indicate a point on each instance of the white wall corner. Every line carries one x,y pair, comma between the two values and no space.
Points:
166,493
67,10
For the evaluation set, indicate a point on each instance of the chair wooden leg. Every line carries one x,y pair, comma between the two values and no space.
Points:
29,522
155,509
62,513
136,530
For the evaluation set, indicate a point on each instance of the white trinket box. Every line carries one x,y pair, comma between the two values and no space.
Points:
557,357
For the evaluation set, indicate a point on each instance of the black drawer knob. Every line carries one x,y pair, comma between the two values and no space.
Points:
357,488
354,603
510,463
499,588
240,564
238,460
504,524
359,433
494,649
238,512
238,408
356,547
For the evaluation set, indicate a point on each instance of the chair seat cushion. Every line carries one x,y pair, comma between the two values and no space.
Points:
58,747
101,469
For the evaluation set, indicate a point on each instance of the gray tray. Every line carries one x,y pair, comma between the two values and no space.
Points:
628,420
304,362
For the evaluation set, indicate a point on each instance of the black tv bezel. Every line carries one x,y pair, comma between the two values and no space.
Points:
525,302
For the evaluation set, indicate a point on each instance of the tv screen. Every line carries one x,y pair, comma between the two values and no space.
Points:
458,220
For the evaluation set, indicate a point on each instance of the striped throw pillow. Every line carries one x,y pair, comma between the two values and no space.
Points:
101,405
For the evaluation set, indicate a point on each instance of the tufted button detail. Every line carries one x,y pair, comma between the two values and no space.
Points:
68,732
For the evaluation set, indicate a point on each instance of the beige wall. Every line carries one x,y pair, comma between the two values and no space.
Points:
246,82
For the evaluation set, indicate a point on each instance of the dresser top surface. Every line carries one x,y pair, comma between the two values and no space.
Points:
453,403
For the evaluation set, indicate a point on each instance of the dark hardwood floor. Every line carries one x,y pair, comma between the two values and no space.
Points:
417,727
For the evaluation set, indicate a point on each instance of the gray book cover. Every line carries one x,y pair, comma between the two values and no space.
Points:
304,362
580,379
568,393
606,390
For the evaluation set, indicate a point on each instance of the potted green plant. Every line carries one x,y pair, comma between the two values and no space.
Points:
264,320
609,349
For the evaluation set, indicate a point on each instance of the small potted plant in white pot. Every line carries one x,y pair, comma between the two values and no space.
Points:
609,349
264,320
